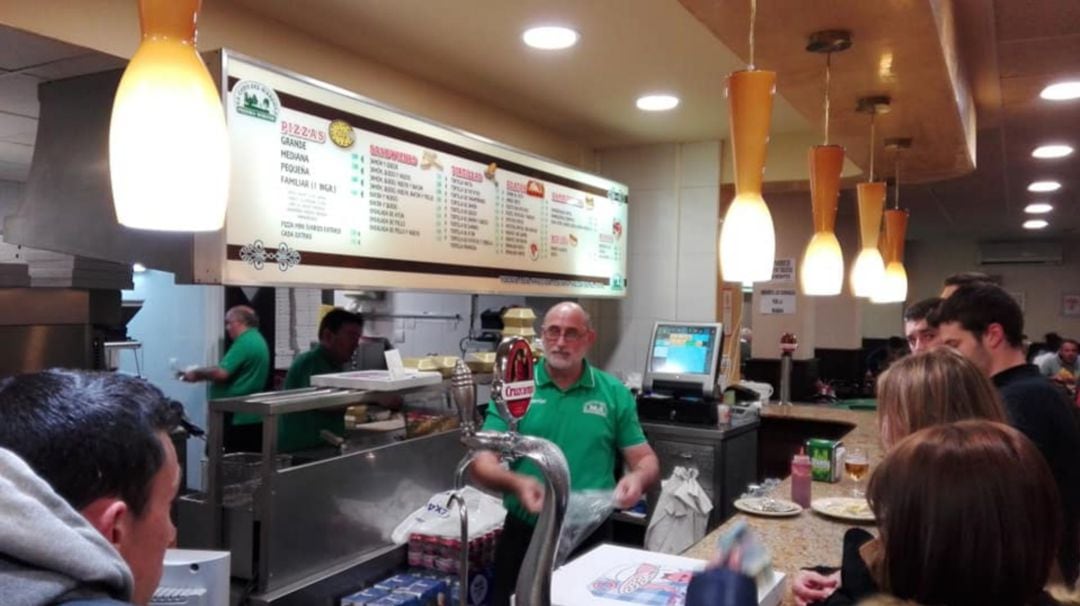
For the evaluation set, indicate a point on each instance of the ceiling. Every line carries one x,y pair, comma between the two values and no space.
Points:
1010,50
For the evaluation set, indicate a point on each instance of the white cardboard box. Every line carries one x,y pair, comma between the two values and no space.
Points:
376,380
612,575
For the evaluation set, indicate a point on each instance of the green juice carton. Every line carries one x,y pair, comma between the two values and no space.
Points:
826,459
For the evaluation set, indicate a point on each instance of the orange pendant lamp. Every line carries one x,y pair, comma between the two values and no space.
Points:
747,236
895,286
822,269
168,142
868,272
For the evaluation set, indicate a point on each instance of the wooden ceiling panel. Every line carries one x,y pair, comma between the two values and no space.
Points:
1030,19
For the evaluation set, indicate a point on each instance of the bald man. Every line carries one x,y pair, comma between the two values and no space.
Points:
246,365
588,414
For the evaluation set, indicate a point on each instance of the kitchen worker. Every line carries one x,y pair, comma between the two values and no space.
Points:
243,371
590,416
339,335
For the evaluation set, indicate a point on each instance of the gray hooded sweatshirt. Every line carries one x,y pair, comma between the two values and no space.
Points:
49,553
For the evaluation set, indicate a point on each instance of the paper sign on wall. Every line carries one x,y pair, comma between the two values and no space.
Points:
777,301
783,270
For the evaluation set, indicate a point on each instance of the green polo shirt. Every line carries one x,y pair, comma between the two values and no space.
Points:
300,430
589,421
248,365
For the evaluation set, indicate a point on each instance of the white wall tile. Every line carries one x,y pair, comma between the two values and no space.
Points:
699,210
645,167
699,164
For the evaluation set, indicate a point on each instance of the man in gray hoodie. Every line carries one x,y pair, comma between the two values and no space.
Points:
87,477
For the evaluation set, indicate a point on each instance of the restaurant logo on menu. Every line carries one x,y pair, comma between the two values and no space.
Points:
257,100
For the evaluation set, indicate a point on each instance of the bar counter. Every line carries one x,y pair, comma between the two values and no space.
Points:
809,538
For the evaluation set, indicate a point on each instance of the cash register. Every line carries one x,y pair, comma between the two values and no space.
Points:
679,384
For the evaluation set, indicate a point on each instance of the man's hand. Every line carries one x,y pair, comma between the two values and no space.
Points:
628,491
530,492
810,587
189,376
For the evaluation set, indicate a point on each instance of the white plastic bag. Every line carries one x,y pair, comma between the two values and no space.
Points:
681,513
436,518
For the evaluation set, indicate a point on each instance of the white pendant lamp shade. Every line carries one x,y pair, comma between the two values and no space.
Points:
868,273
822,265
747,237
168,142
894,287
747,241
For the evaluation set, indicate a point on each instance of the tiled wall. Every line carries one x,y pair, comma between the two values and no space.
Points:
672,231
297,327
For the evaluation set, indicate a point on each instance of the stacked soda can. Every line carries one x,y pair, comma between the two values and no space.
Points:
443,554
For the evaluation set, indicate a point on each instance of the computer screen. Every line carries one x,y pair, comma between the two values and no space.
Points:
683,357
683,349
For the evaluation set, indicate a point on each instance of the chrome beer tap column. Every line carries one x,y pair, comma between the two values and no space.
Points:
511,390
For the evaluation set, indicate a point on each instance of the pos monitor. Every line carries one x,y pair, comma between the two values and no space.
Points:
683,358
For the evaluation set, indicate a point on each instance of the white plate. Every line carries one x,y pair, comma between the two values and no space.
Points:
844,508
780,508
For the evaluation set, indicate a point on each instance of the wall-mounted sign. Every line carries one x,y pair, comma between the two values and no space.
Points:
783,270
777,301
333,190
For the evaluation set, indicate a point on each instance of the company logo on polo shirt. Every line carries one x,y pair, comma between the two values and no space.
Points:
257,100
595,407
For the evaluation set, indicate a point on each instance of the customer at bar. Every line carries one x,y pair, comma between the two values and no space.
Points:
922,390
964,278
920,335
589,415
87,478
989,538
985,324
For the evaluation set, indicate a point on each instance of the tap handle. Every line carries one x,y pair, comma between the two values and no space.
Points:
463,390
513,385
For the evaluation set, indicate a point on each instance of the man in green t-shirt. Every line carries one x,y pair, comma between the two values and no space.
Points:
242,371
246,365
339,335
588,414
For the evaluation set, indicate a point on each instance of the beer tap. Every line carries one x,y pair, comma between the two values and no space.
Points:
511,390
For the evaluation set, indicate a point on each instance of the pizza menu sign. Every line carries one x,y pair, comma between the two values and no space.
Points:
332,190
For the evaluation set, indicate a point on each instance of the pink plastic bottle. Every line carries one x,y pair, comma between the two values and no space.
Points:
800,478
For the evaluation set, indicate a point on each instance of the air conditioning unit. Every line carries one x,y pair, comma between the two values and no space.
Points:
1021,252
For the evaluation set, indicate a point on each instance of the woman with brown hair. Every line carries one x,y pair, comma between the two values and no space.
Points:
989,538
921,390
930,388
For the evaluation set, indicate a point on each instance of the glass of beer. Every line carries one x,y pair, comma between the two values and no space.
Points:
856,466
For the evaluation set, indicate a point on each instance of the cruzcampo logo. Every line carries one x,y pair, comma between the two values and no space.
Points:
257,100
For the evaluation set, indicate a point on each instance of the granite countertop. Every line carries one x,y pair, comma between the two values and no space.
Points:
807,539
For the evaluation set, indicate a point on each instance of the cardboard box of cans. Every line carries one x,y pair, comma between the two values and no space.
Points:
420,587
826,459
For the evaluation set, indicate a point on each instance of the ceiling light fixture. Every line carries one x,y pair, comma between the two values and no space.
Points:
550,37
895,287
138,268
1035,224
1044,152
1038,208
1062,91
168,142
1044,186
822,269
747,237
868,273
657,103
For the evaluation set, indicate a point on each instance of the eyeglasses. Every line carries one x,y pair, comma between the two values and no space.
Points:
570,335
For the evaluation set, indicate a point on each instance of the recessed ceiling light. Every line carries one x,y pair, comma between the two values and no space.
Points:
1056,150
1035,224
138,268
550,37
1062,91
657,103
1038,208
1044,186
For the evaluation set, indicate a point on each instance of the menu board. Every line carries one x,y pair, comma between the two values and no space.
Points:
335,191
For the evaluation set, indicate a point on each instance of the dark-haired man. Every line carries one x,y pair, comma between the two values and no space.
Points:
1064,366
87,477
339,335
920,334
963,278
985,323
